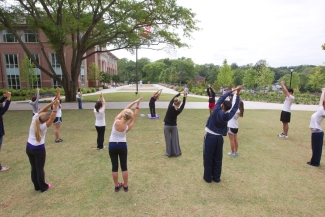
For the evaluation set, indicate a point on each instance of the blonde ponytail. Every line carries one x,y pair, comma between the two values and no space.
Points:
37,130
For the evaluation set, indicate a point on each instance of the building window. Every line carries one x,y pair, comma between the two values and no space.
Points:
12,71
82,74
38,73
57,68
8,36
31,36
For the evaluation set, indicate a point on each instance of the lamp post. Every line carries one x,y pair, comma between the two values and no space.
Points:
291,70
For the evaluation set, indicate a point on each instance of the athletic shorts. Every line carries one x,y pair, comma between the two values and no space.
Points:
57,120
211,105
233,131
285,117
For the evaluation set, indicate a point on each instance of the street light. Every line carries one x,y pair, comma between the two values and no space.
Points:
291,70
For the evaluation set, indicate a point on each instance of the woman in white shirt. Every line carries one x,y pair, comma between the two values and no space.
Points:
100,122
317,133
233,130
35,147
117,148
79,96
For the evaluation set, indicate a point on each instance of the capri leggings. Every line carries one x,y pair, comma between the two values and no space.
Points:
115,151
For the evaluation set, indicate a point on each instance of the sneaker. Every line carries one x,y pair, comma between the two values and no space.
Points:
285,136
281,135
58,140
118,187
48,187
101,148
236,154
230,153
126,188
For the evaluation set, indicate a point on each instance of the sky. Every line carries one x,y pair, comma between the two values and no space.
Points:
283,32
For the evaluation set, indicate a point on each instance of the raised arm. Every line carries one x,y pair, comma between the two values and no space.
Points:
6,106
37,94
45,108
172,101
135,115
103,100
119,116
284,89
55,104
58,90
3,98
183,104
321,100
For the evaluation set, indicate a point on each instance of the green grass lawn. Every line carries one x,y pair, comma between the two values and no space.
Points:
269,178
130,96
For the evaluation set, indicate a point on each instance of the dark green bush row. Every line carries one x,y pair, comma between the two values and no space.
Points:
24,94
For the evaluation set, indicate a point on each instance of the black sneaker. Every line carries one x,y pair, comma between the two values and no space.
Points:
126,188
118,187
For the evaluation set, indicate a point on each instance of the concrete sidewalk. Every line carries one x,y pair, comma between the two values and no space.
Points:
24,105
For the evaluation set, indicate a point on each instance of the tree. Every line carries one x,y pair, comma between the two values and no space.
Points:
294,82
266,77
238,76
84,25
153,71
116,78
93,72
184,68
105,77
316,80
225,75
28,71
249,79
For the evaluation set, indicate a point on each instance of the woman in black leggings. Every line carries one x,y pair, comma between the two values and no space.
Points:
117,147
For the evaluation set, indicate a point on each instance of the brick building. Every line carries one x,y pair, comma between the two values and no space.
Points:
12,54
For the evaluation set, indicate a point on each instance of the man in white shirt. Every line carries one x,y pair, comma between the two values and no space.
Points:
286,110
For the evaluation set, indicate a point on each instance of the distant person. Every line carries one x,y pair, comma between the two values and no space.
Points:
212,98
3,110
152,102
79,98
140,83
117,146
233,129
100,123
35,146
58,120
34,102
114,85
216,127
186,89
286,110
170,129
317,133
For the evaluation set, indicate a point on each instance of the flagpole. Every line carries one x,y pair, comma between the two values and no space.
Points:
136,70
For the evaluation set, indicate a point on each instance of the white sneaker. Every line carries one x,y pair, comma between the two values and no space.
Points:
230,153
285,136
236,154
281,135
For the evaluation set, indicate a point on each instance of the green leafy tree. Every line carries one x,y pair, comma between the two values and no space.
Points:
265,78
295,81
153,71
238,76
105,77
304,80
93,72
249,79
316,80
225,75
28,71
184,68
116,78
85,25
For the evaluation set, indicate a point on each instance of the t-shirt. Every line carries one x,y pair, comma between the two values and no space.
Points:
287,103
152,100
31,138
317,118
233,123
79,94
100,117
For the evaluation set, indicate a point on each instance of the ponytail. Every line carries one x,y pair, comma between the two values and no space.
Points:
37,130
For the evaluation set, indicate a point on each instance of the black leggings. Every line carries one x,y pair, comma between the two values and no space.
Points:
152,107
115,151
37,162
100,136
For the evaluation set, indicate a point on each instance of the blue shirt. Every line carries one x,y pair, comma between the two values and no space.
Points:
217,122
